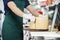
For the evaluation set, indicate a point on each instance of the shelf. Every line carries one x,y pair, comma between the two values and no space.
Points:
45,34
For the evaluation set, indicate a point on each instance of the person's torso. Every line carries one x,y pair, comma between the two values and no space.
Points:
12,16
19,3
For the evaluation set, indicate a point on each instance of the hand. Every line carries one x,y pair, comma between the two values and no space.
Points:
28,17
58,32
41,16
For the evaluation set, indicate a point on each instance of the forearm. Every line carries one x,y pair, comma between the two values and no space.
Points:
32,10
15,9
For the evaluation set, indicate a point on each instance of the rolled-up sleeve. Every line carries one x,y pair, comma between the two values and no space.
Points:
5,4
6,1
26,3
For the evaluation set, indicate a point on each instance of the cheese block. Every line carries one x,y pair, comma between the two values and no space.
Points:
32,25
42,22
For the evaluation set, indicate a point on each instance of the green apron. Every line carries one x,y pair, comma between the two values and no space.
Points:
13,25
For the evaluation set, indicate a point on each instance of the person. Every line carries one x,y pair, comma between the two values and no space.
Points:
13,23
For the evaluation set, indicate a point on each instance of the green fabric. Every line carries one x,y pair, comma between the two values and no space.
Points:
13,25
